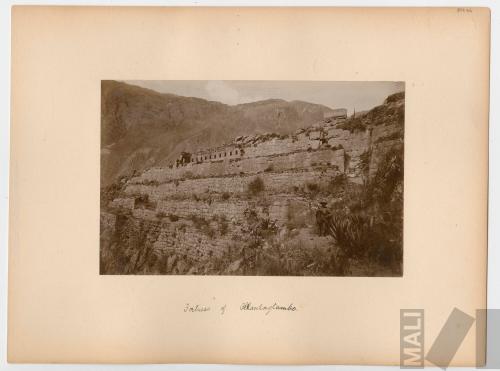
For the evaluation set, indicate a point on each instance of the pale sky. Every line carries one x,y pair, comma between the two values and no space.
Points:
359,95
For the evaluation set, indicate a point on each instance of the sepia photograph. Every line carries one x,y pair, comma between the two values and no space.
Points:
255,178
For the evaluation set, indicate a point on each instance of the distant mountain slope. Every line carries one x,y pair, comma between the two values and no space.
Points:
143,128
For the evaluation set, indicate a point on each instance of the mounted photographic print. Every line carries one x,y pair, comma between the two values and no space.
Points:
181,177
271,178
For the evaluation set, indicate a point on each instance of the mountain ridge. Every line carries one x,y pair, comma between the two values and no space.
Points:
141,127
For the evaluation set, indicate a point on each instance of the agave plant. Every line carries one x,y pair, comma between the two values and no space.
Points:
351,235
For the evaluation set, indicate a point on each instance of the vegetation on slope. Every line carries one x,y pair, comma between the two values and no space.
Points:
359,233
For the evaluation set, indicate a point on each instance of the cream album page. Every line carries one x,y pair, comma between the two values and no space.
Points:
248,185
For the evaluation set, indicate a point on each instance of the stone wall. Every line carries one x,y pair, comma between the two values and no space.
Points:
274,182
276,146
233,210
187,206
277,162
356,153
371,142
274,208
328,145
184,239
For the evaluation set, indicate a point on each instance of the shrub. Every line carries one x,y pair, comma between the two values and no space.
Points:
268,226
112,191
151,182
269,168
395,97
353,125
365,160
297,216
209,232
367,222
223,225
173,217
353,238
225,196
198,221
337,183
351,234
202,225
256,186
389,175
400,116
143,202
393,136
313,188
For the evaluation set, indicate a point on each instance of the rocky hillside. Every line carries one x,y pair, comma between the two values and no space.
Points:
142,128
324,200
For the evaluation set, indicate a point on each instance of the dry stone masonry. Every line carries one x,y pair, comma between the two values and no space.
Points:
201,193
